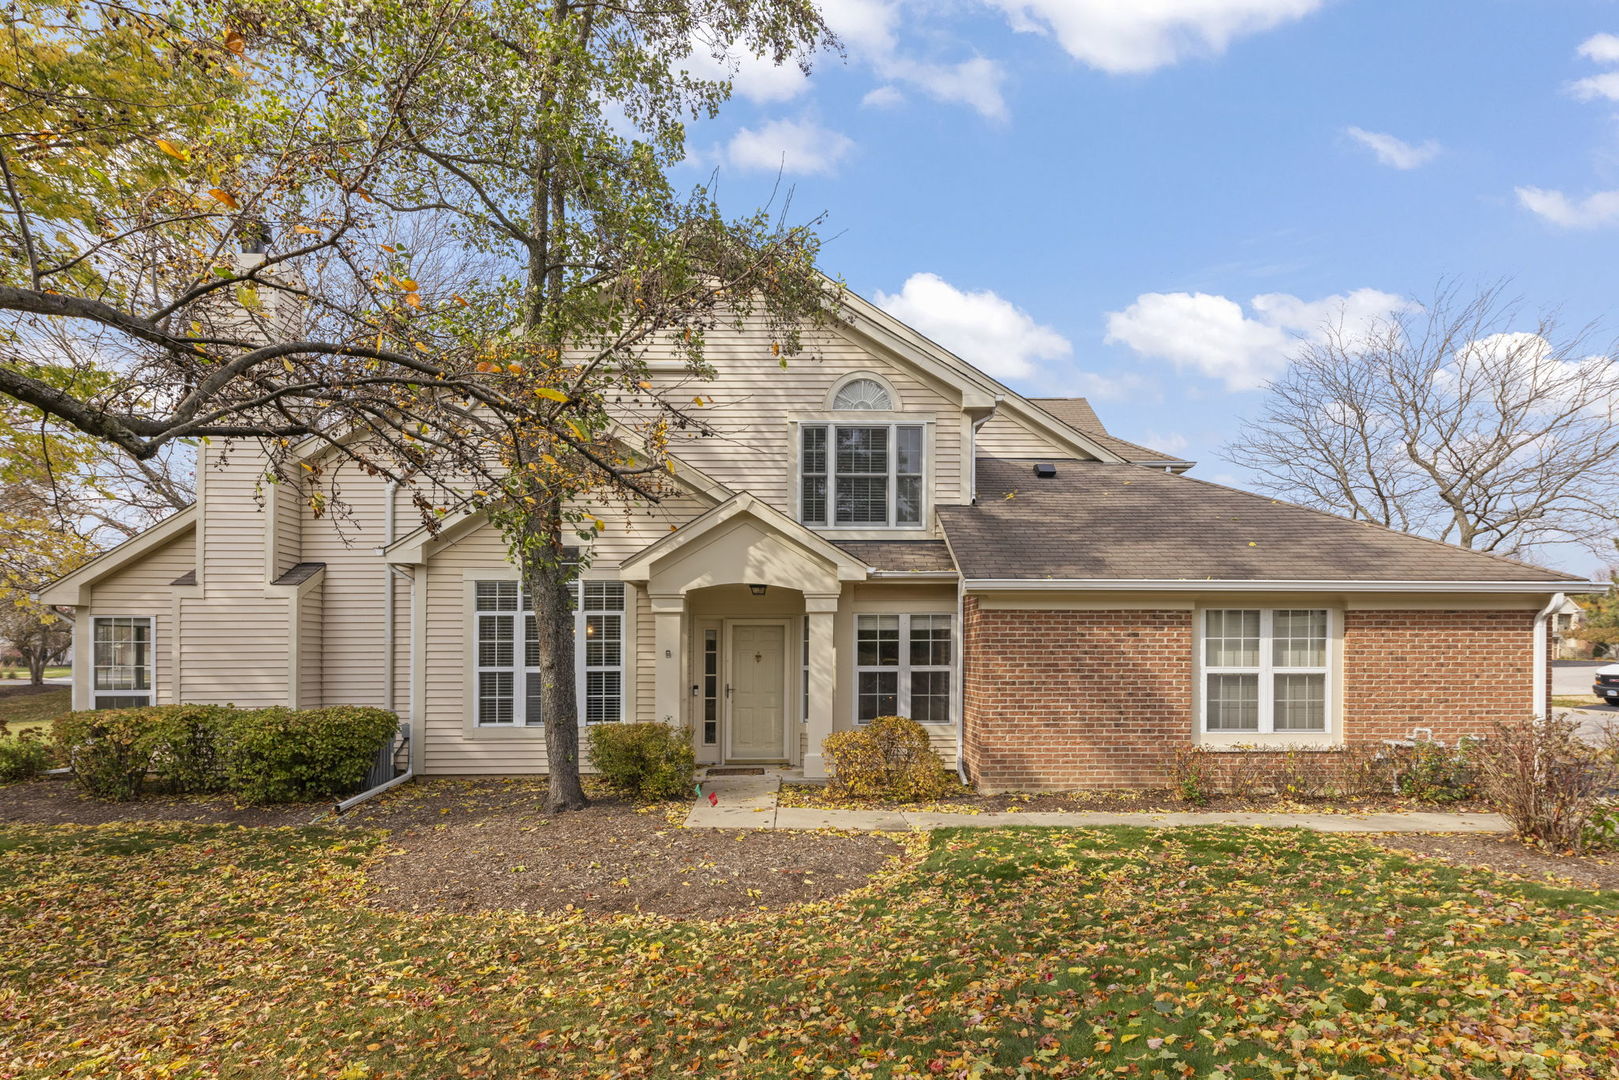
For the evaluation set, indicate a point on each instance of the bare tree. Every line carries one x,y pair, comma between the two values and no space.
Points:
1452,420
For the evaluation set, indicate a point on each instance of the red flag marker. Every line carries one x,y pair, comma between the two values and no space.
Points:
713,798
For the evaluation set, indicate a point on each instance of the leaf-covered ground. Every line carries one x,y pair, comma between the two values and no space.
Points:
198,950
23,706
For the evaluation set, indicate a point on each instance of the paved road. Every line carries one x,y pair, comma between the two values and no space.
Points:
1571,677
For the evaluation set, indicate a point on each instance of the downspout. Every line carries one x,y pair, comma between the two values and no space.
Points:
413,729
1541,620
961,680
390,699
972,452
389,573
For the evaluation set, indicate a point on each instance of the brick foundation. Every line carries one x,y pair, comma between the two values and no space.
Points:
1103,699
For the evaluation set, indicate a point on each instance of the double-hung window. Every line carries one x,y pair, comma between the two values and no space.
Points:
122,661
507,679
1266,671
903,667
860,475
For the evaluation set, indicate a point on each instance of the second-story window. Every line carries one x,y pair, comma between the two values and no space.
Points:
860,475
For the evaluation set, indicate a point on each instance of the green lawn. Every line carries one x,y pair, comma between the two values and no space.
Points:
22,711
191,951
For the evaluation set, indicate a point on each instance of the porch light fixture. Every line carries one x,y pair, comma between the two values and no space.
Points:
757,590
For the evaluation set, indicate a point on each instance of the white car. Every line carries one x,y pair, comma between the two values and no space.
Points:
1606,684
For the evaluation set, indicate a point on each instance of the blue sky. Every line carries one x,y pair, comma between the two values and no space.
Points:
1087,196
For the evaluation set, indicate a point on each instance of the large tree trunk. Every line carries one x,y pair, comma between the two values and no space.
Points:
550,583
36,666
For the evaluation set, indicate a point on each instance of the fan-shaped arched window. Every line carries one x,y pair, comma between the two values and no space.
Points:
863,394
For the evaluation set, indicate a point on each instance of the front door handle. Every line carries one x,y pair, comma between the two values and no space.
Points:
727,691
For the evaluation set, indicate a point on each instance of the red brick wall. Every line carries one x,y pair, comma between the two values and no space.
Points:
1079,699
1069,699
1457,672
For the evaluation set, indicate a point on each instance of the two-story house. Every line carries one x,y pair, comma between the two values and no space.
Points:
878,529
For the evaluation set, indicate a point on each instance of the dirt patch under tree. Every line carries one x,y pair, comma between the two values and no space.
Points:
483,844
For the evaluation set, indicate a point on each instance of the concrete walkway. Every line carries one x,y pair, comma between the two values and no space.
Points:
749,802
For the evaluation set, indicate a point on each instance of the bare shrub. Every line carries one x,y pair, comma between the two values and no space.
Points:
1547,781
1189,774
1366,769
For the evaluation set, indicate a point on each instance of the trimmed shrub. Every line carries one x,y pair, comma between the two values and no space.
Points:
282,755
888,758
643,761
260,755
23,755
108,750
185,745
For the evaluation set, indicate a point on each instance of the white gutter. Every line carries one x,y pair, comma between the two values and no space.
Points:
1239,585
390,492
914,575
972,450
1540,673
959,691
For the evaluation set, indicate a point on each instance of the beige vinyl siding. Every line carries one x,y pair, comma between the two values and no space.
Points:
754,397
1004,436
287,532
236,637
354,638
311,655
142,588
645,653
449,746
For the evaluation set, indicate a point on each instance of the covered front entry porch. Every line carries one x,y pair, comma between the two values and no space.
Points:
744,602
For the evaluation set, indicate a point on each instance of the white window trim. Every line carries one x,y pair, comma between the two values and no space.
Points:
862,419
905,667
582,669
150,693
896,403
1267,670
520,669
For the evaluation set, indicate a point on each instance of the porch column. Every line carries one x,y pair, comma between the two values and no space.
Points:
669,684
823,677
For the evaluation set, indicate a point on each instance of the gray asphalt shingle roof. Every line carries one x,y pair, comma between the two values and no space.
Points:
1101,521
914,555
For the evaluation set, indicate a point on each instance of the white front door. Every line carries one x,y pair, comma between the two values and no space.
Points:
756,691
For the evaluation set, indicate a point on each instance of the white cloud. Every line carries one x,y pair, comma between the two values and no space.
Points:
1597,209
981,327
884,97
756,78
1603,48
1123,36
1172,443
975,83
791,146
1211,335
1393,152
864,26
1122,386
1605,85
868,29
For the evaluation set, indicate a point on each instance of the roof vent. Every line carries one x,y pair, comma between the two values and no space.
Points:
1045,470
